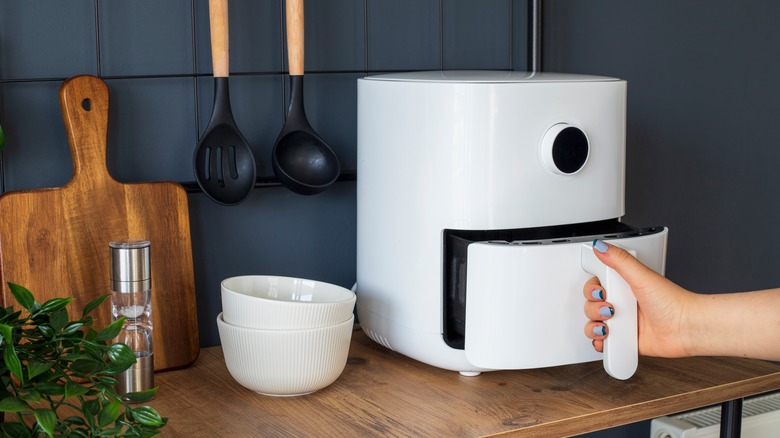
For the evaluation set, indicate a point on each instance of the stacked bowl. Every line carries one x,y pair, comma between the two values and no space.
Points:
285,336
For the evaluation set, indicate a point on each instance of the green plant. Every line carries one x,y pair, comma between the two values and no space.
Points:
56,375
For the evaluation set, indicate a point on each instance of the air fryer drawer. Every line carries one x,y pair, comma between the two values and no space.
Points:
514,258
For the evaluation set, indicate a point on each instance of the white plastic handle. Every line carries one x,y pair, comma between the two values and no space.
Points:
621,347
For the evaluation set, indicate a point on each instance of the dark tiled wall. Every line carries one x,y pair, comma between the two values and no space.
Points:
155,57
702,147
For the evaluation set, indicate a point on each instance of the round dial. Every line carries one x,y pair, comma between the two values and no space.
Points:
565,149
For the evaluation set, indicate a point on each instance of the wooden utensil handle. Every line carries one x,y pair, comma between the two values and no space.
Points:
294,15
220,46
84,103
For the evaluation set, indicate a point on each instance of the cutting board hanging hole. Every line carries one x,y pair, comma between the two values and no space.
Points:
86,104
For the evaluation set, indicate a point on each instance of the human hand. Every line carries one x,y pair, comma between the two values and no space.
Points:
662,305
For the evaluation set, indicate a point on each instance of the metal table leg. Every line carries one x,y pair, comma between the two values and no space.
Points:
731,419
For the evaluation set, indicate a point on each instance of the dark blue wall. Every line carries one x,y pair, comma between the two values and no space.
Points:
703,145
703,100
702,138
156,59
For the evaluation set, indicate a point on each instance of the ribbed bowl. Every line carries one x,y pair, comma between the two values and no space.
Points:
285,362
284,303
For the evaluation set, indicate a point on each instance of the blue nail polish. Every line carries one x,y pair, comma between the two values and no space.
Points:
606,311
600,246
599,330
597,294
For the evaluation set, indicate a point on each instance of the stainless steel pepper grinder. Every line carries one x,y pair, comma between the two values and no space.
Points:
131,297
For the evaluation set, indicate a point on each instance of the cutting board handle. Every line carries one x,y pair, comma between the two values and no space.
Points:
84,102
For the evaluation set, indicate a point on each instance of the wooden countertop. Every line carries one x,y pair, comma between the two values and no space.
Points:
382,393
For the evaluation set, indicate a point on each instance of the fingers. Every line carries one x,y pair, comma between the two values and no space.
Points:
593,290
597,310
596,331
631,269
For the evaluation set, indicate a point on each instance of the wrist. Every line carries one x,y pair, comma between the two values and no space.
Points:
693,331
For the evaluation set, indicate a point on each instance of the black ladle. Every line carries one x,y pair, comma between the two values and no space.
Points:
301,160
224,164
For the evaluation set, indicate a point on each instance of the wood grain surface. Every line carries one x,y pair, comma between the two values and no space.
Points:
55,241
295,36
382,393
220,39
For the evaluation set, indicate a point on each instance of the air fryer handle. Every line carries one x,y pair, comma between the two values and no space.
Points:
621,348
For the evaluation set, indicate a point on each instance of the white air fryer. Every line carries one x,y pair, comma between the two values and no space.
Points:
479,196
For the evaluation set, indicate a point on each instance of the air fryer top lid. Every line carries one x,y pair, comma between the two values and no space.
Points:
487,76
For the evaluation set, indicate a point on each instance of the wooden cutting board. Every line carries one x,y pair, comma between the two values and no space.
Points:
55,241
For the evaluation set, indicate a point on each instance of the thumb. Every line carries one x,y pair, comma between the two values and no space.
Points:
632,270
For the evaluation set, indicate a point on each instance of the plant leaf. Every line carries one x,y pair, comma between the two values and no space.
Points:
73,389
22,296
37,368
12,361
120,352
59,319
57,362
15,430
114,431
7,332
91,335
91,407
47,419
109,413
112,330
32,396
92,305
71,328
121,357
106,380
13,404
85,367
94,350
50,388
46,331
54,304
141,396
75,420
10,315
147,416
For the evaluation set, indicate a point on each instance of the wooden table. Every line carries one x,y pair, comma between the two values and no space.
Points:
382,393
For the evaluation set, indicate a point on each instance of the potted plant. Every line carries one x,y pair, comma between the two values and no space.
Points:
56,376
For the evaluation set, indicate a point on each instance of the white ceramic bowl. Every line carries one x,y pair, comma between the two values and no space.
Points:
284,303
285,362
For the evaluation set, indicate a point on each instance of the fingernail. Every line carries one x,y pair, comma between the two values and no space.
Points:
600,246
599,330
597,294
606,311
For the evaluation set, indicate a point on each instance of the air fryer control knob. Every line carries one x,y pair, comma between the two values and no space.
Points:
565,149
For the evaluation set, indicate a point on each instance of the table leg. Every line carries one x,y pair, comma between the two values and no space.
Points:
731,419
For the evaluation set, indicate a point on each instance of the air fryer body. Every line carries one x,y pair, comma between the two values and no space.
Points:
474,188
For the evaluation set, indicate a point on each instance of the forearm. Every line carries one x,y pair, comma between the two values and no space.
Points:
738,324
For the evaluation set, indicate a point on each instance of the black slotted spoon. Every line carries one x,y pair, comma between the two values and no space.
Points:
223,162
